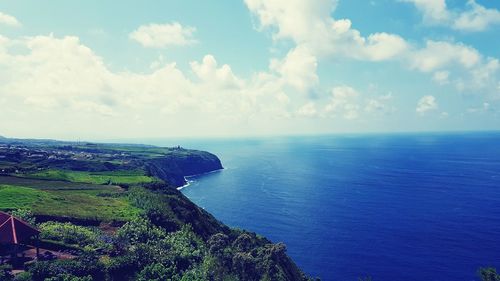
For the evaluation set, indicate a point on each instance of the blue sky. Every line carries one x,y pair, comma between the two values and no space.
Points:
97,69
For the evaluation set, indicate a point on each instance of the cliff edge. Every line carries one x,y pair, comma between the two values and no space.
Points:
177,164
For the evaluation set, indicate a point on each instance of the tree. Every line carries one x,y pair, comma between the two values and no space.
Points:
488,274
25,215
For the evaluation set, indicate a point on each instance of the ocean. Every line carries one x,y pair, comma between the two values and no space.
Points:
392,207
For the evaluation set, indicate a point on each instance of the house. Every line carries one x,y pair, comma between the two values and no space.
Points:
15,236
15,231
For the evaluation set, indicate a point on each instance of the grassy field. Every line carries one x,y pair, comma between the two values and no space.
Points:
84,204
72,194
55,184
116,177
15,197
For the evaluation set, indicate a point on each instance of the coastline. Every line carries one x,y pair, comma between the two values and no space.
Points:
188,181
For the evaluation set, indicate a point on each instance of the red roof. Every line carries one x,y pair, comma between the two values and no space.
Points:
14,230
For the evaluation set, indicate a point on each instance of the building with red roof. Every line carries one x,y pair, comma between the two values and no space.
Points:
15,231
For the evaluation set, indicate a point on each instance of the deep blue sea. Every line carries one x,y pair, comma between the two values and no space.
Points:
394,207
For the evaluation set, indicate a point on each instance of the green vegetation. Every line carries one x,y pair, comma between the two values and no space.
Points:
82,204
145,250
143,228
488,274
88,238
115,177
54,184
17,197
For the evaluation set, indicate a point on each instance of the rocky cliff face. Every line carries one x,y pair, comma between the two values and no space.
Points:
180,163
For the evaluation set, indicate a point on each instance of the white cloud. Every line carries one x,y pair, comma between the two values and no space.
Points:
441,77
383,46
349,104
61,81
474,18
9,20
164,35
434,11
298,69
477,18
352,111
309,24
208,71
379,105
426,104
439,54
308,110
459,65
344,101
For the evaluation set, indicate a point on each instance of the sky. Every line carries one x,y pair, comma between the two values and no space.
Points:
228,68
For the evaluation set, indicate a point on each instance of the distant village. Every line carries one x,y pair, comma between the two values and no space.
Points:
21,157
14,153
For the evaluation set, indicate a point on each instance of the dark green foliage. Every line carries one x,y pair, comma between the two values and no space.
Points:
23,276
5,274
170,209
67,233
69,277
489,274
150,253
155,272
122,267
244,256
140,230
163,235
84,266
25,215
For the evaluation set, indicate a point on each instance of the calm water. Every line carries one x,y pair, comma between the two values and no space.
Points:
394,207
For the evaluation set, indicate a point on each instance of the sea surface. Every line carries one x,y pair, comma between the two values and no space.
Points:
394,207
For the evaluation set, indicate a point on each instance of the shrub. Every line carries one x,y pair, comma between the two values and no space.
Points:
5,272
25,215
80,269
157,272
139,230
488,274
68,233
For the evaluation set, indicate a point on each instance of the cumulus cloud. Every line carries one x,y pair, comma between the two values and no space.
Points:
344,102
379,105
441,77
164,35
309,24
59,80
208,71
308,110
477,18
426,104
317,35
474,18
434,11
457,64
9,20
298,69
438,54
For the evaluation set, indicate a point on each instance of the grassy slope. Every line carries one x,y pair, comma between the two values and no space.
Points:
51,189
105,204
55,184
15,197
63,192
116,177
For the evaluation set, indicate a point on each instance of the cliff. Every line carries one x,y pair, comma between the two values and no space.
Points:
177,164
126,192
